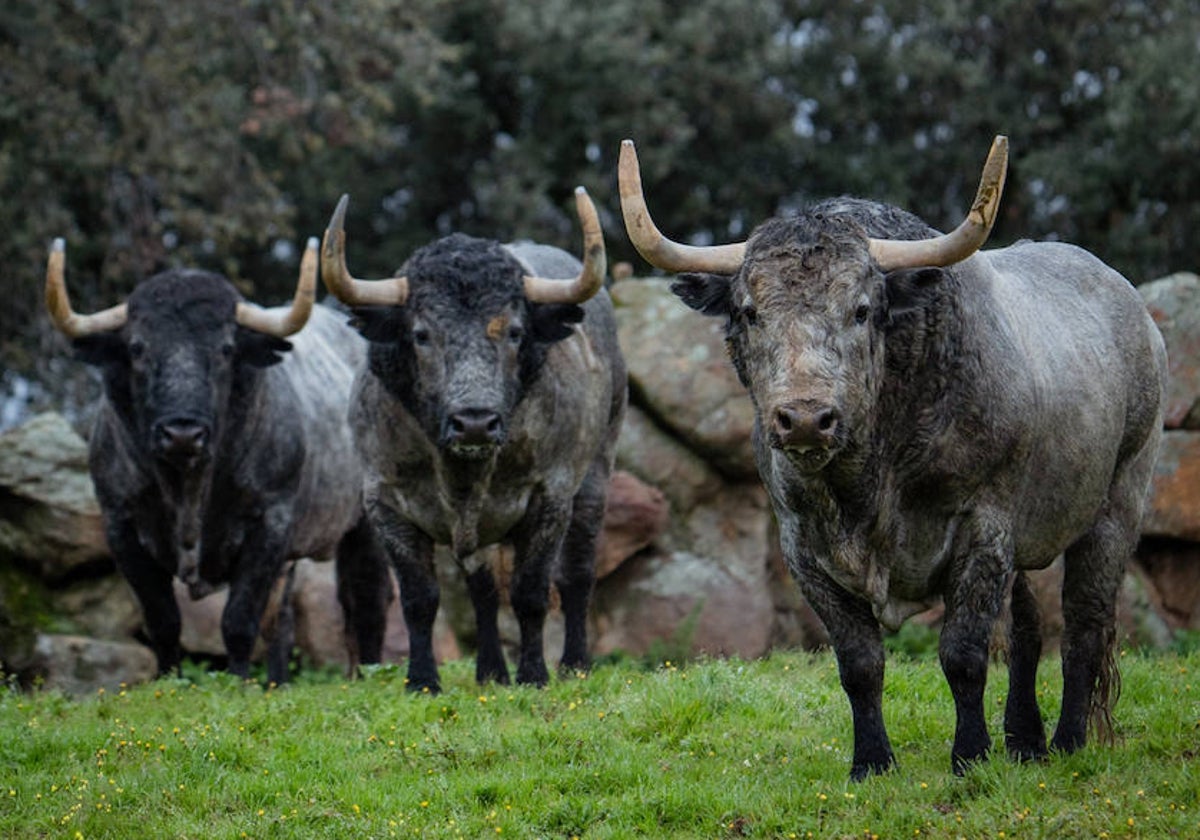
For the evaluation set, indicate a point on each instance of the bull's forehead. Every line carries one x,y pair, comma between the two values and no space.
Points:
191,300
464,273
804,279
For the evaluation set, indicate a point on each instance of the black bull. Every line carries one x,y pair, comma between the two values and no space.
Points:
932,422
220,451
488,413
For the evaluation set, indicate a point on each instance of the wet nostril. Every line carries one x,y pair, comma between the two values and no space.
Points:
475,426
181,436
827,420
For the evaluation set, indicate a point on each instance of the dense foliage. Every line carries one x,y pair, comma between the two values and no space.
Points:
221,134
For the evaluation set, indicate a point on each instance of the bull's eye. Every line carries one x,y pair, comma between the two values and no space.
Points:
862,313
136,349
420,336
227,349
515,333
750,316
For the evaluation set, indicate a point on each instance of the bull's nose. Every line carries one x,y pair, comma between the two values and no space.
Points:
474,427
803,426
180,437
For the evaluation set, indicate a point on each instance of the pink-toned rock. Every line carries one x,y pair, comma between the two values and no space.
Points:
1174,509
635,515
1173,572
682,601
320,622
1174,303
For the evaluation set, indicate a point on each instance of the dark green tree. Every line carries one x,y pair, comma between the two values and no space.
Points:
221,134
899,100
151,134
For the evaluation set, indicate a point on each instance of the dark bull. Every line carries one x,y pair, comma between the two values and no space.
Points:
221,450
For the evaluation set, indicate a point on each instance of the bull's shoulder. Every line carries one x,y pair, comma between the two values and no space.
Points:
119,468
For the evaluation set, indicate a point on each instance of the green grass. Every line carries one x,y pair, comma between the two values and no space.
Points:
710,749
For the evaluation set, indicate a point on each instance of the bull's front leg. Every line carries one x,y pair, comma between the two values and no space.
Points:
411,554
257,567
151,584
1024,733
537,543
974,594
858,645
485,598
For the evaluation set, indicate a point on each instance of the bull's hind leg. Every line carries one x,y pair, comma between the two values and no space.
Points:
537,542
363,589
1093,569
1024,734
974,594
576,571
283,635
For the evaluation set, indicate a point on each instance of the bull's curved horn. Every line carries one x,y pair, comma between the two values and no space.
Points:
58,304
390,292
655,248
595,262
964,240
282,321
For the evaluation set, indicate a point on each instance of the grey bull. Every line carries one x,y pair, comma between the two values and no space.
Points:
932,421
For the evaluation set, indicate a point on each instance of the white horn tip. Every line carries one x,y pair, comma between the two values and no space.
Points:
313,243
580,191
59,244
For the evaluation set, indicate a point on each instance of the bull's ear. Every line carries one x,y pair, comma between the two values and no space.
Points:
101,349
553,321
260,350
910,289
706,293
374,323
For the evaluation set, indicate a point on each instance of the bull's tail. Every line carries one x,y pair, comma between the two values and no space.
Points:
1107,690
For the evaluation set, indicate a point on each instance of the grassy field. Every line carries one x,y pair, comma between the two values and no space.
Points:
709,749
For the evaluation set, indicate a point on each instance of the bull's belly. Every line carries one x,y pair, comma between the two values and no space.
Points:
464,524
1035,533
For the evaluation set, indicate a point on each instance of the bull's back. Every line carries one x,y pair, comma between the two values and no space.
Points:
320,371
1081,391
